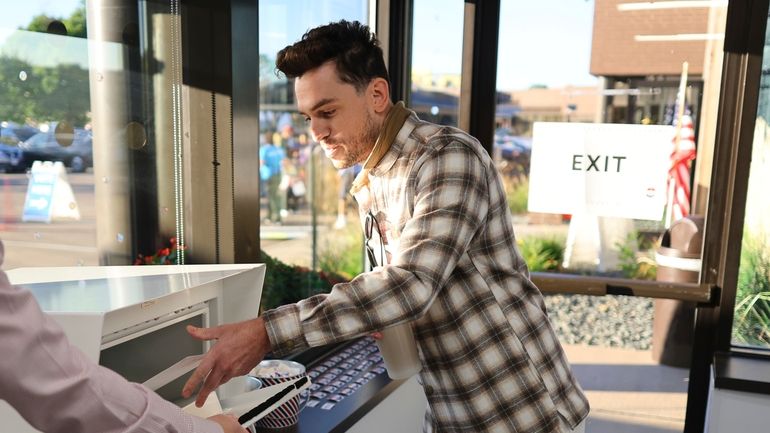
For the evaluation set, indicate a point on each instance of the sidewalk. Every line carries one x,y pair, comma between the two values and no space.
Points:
628,391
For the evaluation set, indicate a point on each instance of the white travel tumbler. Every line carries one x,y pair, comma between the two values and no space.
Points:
399,351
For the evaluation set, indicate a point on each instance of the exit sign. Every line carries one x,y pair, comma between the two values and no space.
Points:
609,170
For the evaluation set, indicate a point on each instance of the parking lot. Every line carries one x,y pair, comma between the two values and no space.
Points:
59,243
73,243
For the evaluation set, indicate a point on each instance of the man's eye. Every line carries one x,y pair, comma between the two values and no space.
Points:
327,113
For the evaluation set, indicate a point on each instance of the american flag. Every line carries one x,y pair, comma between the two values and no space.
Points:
682,154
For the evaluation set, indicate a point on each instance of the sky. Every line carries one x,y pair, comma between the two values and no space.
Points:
541,42
545,42
18,13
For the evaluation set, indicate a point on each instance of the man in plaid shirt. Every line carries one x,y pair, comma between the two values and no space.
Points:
491,361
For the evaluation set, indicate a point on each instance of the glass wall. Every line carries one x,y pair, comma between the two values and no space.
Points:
599,204
308,218
602,107
90,132
437,46
140,122
44,96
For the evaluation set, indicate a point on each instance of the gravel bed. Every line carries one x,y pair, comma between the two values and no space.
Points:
610,321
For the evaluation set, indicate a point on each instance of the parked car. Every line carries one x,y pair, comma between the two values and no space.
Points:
512,153
10,158
11,135
44,146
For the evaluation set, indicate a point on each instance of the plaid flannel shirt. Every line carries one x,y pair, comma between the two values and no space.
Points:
491,360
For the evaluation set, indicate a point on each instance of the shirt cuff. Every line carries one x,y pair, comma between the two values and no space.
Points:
284,329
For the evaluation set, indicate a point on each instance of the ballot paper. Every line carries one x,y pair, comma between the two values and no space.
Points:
210,407
182,366
249,406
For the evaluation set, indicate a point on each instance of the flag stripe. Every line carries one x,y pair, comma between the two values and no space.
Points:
679,174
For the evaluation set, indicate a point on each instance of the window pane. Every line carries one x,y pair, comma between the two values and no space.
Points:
598,185
437,45
751,322
98,114
309,220
586,125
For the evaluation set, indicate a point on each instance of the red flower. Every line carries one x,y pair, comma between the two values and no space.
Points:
164,256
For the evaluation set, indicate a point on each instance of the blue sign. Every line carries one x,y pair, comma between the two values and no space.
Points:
37,205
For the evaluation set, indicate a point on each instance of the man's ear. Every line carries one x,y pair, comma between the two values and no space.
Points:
379,95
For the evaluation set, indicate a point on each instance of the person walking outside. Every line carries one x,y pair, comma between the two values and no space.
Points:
271,156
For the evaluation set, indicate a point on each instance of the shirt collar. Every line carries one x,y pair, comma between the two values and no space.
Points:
394,121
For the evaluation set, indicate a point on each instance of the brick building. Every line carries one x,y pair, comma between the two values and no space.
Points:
639,49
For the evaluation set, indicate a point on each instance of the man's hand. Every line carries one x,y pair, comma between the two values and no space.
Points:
229,423
239,348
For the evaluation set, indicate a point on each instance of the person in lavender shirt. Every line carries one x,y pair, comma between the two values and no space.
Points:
55,388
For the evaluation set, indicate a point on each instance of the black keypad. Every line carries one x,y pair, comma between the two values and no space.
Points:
343,373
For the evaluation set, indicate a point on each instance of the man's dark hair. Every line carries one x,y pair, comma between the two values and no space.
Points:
354,49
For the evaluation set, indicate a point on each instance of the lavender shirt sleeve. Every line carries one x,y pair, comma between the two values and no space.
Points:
57,389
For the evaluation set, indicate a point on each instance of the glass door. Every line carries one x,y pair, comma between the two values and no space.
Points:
602,108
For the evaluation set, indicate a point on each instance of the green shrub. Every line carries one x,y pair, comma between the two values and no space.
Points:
341,251
542,254
752,301
517,194
632,263
286,284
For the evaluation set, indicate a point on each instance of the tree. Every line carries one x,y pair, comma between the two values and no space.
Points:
75,25
40,23
43,94
36,85
17,96
267,71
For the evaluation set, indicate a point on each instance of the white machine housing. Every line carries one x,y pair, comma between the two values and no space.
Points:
101,308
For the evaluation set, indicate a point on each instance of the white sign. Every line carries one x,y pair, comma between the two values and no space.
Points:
610,170
49,194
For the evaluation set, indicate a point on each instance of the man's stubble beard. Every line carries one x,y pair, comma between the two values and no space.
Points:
361,146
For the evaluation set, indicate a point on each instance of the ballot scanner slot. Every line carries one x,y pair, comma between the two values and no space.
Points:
148,326
151,349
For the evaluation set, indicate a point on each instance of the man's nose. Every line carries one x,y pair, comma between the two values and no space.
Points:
318,129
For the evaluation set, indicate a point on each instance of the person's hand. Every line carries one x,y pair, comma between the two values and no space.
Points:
228,422
239,348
